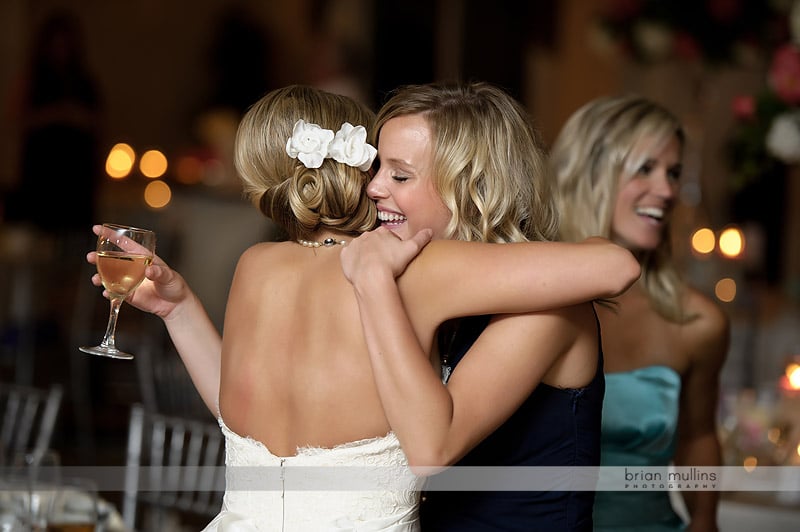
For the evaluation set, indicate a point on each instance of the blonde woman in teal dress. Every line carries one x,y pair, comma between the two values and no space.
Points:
617,164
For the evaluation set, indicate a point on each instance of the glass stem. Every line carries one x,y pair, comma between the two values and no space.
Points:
111,328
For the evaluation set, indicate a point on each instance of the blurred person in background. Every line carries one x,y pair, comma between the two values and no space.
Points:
59,109
617,163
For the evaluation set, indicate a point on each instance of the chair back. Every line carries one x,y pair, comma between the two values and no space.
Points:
175,468
28,418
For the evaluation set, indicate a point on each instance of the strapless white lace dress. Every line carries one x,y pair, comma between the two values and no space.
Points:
362,486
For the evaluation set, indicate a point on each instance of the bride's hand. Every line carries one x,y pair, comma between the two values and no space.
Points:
160,293
381,252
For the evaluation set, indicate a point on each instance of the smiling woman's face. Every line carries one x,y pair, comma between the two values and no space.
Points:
645,200
402,187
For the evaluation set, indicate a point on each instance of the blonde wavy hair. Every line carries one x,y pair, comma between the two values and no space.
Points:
298,199
489,161
599,147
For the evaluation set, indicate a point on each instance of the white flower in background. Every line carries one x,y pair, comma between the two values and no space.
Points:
309,143
600,40
783,138
350,147
654,38
794,21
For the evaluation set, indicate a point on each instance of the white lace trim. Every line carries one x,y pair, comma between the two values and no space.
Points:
360,485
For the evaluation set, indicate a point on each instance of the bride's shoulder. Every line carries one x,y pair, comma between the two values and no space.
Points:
258,254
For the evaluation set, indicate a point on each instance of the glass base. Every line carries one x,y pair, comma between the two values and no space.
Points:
104,351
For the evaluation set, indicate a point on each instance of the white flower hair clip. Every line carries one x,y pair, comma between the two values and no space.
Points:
312,144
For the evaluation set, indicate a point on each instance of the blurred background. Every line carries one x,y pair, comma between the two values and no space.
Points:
126,111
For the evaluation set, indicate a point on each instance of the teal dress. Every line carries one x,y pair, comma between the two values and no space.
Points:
639,428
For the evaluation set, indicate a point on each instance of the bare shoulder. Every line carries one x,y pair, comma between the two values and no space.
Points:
258,254
709,331
711,318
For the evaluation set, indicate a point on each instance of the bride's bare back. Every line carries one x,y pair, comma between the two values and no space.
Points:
295,367
296,371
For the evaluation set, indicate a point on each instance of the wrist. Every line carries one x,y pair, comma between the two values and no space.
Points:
373,282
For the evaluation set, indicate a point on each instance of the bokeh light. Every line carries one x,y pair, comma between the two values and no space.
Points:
120,161
153,164
214,173
774,435
189,170
731,242
725,290
793,375
703,240
157,194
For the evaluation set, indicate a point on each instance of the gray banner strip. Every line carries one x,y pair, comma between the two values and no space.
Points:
729,478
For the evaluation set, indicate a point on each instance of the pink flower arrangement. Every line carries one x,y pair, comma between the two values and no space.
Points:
767,133
768,124
744,107
784,74
710,31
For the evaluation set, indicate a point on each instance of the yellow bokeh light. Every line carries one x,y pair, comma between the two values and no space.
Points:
731,242
703,240
793,374
120,161
750,463
157,194
774,435
725,289
153,164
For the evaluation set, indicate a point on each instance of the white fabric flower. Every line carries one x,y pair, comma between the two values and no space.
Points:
350,147
783,138
309,143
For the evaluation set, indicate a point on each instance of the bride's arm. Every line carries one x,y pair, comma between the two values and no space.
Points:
166,294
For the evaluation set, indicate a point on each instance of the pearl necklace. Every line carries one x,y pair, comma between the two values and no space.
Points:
328,242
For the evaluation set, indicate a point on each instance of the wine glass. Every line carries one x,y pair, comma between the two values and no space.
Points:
74,506
36,476
123,253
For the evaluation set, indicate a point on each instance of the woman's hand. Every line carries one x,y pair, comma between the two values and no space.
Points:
381,252
160,293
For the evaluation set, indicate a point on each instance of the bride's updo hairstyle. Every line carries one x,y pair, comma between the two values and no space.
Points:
301,200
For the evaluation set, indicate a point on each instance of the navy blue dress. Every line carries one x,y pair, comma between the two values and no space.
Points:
553,427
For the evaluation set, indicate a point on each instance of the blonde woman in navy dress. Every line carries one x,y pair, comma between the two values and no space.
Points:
521,391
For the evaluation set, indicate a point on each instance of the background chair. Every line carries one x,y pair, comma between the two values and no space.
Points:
174,471
29,417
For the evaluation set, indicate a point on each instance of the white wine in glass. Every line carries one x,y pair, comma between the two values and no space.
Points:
123,253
